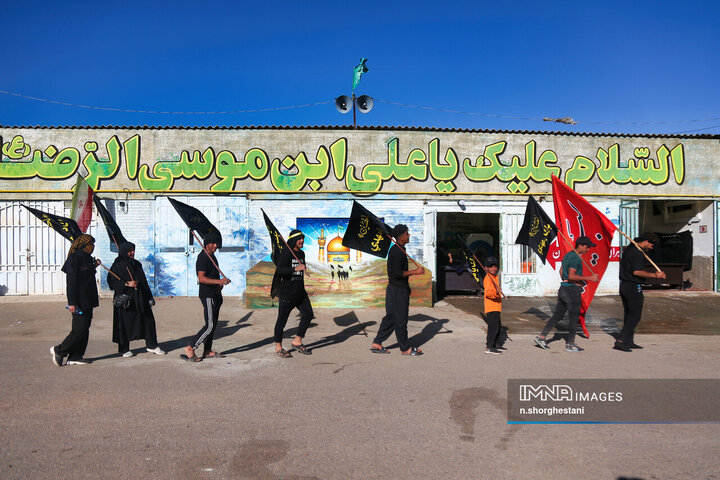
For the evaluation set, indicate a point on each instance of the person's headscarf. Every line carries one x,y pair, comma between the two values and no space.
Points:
124,248
294,236
83,243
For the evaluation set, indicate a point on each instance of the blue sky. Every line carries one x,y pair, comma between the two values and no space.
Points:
624,67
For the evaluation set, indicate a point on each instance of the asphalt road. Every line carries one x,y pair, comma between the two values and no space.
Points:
342,412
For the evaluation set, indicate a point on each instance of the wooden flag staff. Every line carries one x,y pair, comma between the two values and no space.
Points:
497,287
641,250
208,254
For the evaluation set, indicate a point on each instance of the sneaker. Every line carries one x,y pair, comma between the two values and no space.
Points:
621,346
571,347
541,342
501,348
493,351
56,357
635,346
79,361
128,354
156,351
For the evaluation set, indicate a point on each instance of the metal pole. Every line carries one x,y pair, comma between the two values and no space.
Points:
354,119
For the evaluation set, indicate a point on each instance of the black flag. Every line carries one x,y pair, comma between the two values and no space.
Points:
537,231
276,240
366,232
195,220
116,236
474,266
67,227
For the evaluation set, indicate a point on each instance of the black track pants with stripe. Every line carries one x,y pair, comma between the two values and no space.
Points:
211,310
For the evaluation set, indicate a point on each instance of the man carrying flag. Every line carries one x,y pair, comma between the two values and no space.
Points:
569,294
209,277
397,296
575,217
290,274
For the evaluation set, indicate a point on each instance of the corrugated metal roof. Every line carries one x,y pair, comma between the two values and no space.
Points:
371,128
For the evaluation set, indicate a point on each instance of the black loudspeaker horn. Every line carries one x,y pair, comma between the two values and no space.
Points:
343,103
364,103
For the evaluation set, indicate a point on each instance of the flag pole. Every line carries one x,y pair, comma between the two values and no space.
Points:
641,250
111,272
126,267
483,267
293,253
567,240
208,254
491,278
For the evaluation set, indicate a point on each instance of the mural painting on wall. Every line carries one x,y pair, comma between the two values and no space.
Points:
337,277
255,170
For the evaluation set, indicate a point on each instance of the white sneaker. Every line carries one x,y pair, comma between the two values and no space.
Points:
128,354
156,351
82,361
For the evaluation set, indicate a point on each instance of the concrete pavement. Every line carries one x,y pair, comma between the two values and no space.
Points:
341,412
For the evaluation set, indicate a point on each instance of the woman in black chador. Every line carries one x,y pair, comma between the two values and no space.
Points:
135,320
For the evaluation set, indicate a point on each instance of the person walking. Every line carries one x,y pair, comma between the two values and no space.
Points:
633,265
82,297
493,306
569,294
210,293
290,278
135,319
397,296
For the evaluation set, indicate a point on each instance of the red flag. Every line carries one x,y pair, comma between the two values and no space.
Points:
82,203
575,217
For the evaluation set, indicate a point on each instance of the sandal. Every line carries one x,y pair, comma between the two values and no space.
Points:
414,352
193,359
283,353
302,349
379,350
213,355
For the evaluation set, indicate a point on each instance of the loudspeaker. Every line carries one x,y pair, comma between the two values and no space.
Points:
343,103
364,103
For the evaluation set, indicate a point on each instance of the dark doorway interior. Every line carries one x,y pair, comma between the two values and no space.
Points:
481,231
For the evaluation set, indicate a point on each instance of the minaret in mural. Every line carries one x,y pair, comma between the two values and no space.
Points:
321,245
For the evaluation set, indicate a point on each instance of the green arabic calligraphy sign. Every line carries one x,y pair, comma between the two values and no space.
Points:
429,168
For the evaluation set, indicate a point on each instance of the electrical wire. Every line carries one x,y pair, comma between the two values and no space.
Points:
422,107
110,109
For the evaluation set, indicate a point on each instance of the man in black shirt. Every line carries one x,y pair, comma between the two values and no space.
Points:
82,296
633,266
210,293
290,273
397,296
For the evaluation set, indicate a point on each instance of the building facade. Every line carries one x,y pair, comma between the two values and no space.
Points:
440,183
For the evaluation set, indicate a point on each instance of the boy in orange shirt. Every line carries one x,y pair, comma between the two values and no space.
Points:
493,306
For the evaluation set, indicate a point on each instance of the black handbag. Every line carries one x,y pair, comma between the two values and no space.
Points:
123,301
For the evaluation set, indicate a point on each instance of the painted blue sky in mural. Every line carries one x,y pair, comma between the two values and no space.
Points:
616,66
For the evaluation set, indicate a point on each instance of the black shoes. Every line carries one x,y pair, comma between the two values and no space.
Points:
621,346
635,346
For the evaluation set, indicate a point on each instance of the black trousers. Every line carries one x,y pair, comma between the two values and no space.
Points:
284,309
493,322
632,300
397,306
150,335
76,342
211,311
570,301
